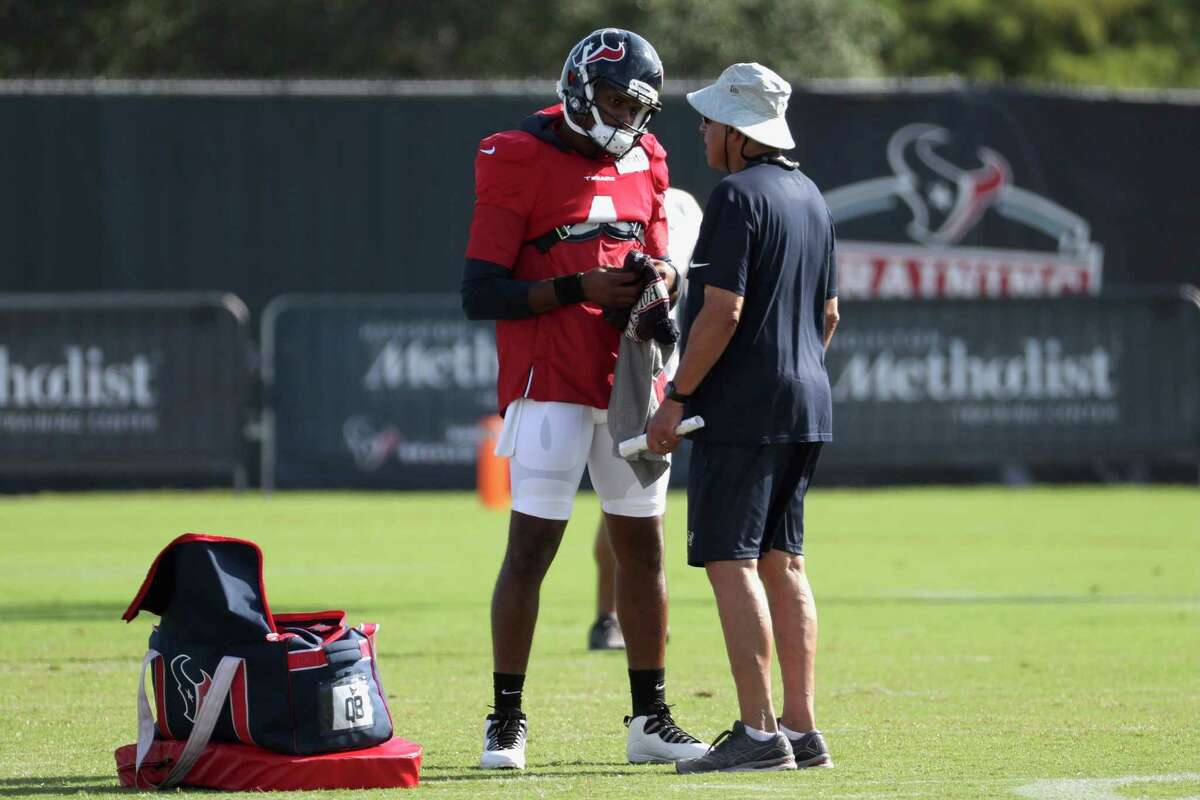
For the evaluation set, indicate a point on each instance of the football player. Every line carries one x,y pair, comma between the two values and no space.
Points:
559,203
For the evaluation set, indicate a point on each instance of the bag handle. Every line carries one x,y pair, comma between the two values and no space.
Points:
206,721
145,717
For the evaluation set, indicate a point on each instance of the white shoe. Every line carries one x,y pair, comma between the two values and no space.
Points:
656,739
504,741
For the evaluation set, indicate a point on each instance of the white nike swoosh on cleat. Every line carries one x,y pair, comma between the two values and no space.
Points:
488,152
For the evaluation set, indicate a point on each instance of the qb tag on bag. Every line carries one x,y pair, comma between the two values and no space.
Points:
348,704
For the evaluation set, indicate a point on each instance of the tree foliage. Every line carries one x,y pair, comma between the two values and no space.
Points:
1140,43
1113,42
443,39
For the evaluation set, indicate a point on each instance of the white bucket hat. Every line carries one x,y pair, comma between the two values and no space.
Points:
749,98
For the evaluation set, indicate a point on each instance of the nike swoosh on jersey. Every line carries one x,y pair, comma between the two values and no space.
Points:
698,264
488,152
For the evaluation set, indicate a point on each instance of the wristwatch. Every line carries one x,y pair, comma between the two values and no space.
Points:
675,394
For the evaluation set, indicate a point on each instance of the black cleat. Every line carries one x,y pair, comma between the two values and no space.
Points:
606,634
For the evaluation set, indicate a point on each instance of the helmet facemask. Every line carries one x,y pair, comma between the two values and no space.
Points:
615,138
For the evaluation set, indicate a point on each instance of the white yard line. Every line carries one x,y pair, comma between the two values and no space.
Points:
1046,789
1097,788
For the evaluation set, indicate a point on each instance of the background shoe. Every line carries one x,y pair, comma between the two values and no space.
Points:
656,739
735,751
810,750
606,634
504,741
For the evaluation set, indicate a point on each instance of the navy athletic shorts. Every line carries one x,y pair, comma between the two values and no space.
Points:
747,499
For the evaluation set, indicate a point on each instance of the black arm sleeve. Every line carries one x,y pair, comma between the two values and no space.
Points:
489,291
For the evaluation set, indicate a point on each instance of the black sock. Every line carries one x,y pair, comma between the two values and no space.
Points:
648,687
507,691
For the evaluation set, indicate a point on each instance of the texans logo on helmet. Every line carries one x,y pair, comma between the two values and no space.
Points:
607,52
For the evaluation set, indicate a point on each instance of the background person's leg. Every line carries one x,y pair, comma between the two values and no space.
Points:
606,573
746,623
605,632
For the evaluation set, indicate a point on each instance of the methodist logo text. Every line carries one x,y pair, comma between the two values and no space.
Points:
83,390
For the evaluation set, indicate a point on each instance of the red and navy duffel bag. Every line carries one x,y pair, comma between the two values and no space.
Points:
224,667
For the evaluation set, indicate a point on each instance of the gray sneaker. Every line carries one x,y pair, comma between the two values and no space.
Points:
735,751
606,634
810,750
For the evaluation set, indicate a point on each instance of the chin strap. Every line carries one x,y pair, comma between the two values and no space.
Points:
777,158
601,133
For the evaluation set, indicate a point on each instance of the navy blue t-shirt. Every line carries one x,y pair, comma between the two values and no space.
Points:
767,235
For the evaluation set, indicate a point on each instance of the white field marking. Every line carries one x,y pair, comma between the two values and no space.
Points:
699,782
1001,597
1049,789
754,789
763,789
1097,788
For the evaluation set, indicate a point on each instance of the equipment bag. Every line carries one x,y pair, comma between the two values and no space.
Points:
225,667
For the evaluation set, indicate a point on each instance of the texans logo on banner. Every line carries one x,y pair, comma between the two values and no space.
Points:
369,446
945,200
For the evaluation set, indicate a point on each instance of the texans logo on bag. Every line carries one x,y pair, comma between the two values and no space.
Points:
190,689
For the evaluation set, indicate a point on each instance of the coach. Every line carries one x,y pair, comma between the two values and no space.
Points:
761,309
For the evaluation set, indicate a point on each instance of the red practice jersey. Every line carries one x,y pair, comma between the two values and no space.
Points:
527,183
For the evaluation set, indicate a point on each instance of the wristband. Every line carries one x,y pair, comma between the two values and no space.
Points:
673,292
569,289
675,283
676,395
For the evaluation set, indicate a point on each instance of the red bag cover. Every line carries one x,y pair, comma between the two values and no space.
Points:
238,767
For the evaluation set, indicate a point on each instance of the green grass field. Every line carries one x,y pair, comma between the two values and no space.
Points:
975,643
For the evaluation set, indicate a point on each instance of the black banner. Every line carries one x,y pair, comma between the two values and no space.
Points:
1050,382
133,385
383,392
388,392
940,189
